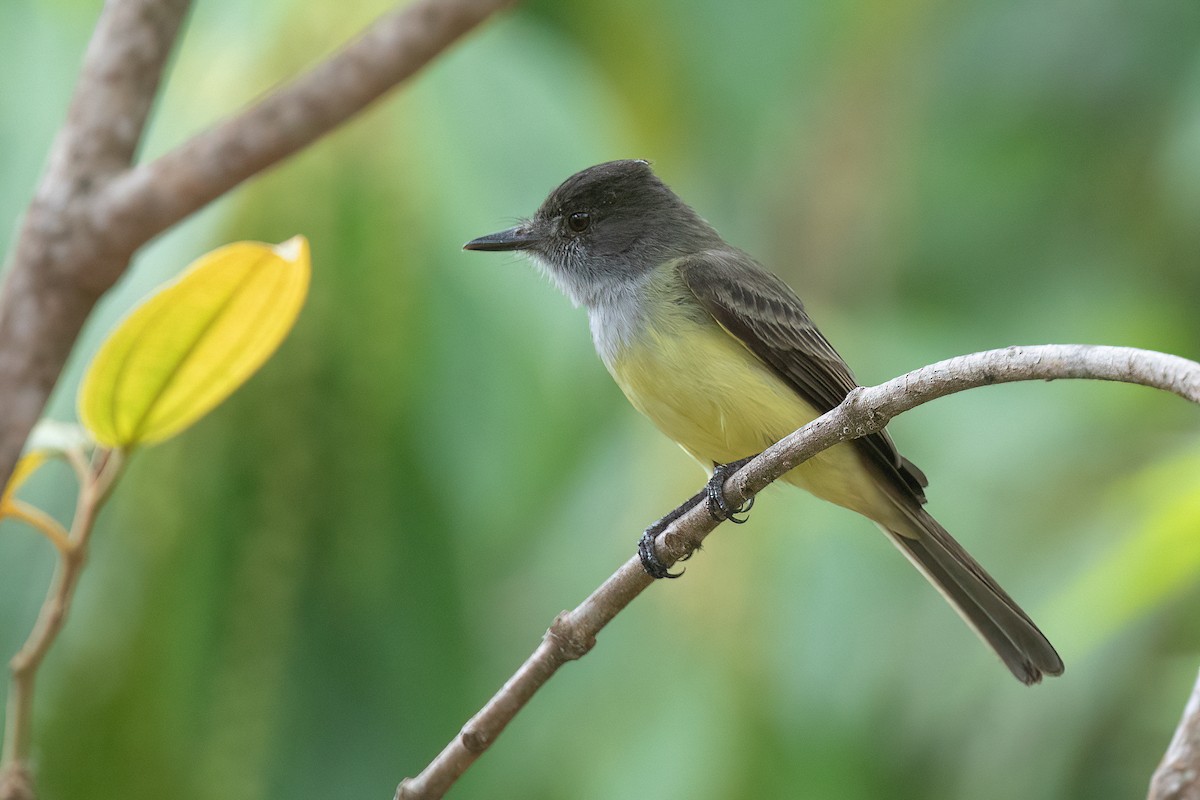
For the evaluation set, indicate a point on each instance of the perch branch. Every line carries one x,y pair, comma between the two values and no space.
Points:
864,411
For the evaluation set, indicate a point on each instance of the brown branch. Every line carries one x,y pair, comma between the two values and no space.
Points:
15,779
864,411
1178,775
60,263
153,196
571,636
92,212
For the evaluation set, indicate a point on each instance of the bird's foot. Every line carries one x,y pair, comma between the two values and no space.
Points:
646,552
714,495
650,561
718,506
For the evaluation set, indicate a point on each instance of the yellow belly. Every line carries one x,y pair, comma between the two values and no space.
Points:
705,390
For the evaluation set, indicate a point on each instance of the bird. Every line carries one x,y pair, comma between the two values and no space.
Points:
722,356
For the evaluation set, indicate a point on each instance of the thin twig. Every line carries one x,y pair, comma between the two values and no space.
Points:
1178,775
864,411
78,460
40,521
15,781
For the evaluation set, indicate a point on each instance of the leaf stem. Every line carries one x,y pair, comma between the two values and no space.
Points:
98,482
40,521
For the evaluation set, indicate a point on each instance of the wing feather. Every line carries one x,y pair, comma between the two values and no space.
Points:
762,312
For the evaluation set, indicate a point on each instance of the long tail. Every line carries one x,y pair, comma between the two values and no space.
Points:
977,598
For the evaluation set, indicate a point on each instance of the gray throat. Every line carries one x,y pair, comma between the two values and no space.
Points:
617,317
614,306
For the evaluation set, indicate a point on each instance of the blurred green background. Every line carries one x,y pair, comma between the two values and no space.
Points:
308,593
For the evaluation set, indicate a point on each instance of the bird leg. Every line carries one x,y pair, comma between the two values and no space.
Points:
714,495
718,506
650,561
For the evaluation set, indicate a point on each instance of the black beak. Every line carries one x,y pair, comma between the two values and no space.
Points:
518,238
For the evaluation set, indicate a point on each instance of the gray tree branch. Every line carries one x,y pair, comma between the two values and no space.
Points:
61,263
1178,775
864,411
92,211
153,196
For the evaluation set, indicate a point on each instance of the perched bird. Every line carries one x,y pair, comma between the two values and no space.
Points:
720,354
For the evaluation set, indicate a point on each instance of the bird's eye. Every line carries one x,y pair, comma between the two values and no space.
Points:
579,221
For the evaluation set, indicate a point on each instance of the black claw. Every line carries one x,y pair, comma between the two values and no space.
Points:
654,568
744,510
718,506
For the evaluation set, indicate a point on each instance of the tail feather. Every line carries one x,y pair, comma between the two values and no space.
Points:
977,598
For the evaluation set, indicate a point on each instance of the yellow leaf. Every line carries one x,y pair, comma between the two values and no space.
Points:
193,342
24,468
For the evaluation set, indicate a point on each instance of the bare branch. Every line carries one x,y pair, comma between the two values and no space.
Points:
15,776
1178,776
869,409
571,636
156,195
121,72
863,412
91,212
60,263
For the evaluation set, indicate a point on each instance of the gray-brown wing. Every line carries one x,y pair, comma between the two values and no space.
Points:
769,319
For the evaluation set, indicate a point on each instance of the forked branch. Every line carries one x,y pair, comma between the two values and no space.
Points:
93,209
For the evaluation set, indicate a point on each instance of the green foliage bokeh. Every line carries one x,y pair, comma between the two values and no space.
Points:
308,593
